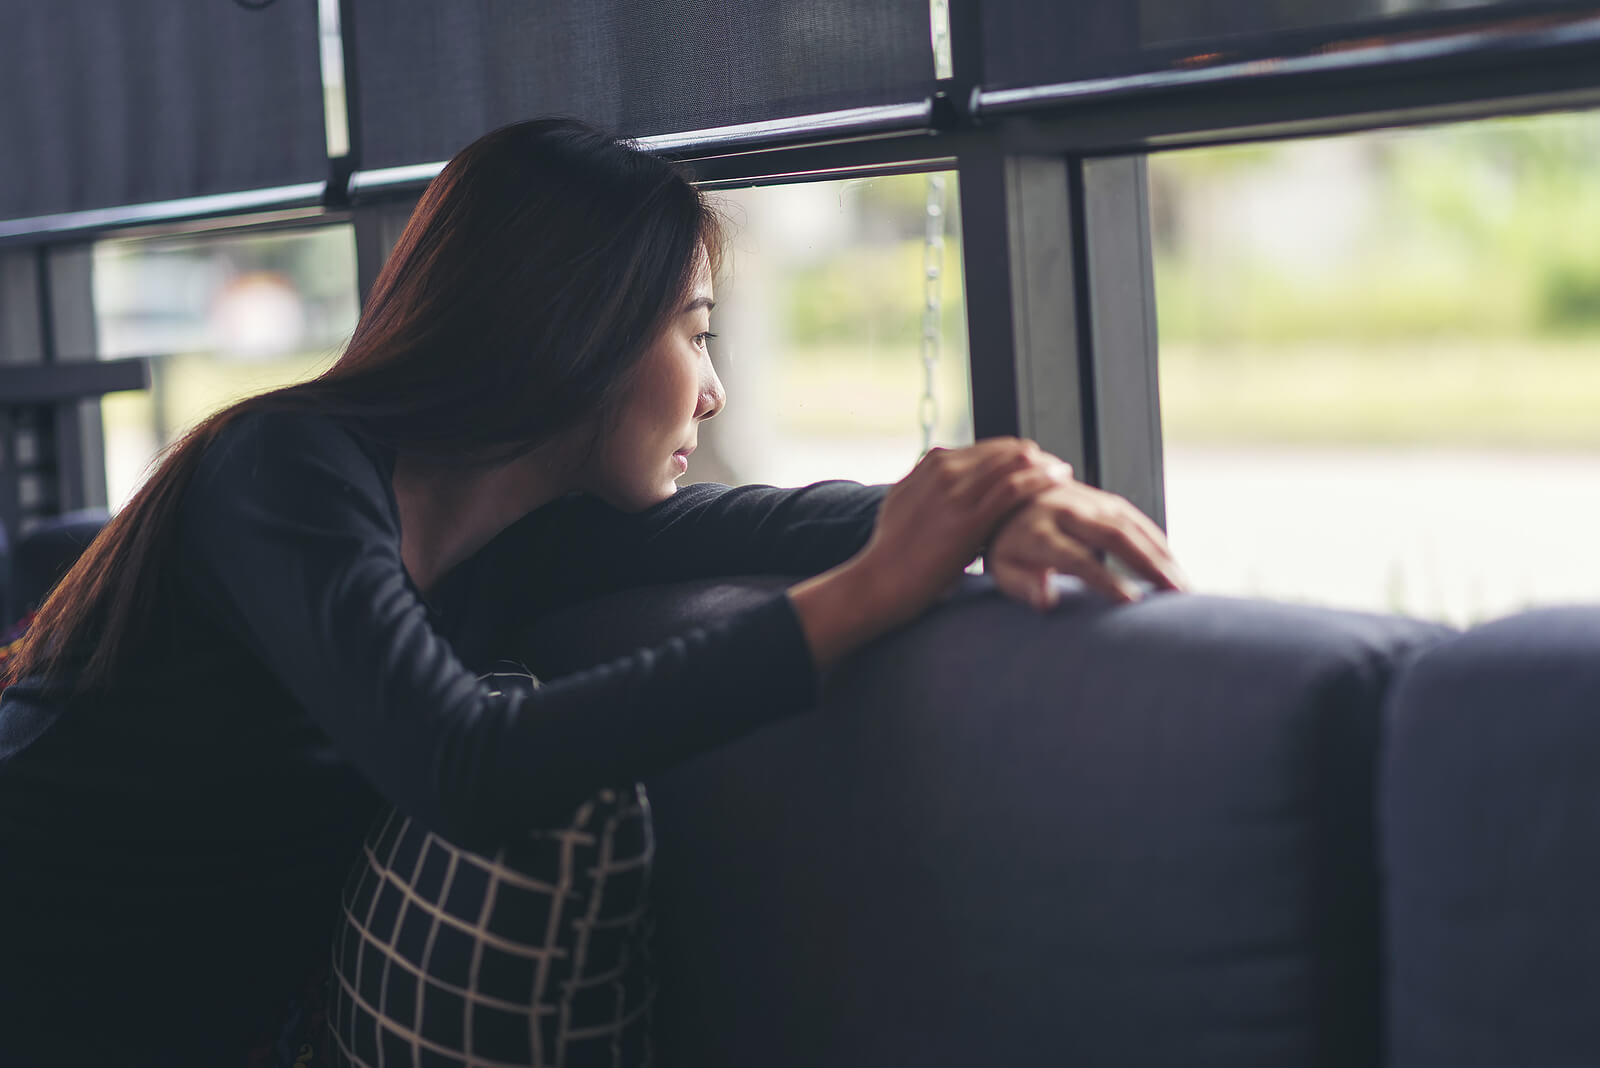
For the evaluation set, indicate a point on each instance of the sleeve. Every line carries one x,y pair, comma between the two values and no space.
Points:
288,532
579,547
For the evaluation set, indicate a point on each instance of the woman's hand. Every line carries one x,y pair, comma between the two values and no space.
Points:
932,524
1065,530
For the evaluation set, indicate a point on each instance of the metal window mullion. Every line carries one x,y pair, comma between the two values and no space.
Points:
377,228
21,345
66,302
1023,314
1118,295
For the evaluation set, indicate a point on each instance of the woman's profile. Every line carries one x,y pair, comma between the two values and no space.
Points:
286,635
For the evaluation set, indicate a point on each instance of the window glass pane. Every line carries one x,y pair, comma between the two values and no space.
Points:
222,317
833,295
837,300
331,47
1380,365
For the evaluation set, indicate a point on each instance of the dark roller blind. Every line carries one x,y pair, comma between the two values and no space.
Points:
113,102
1039,42
433,76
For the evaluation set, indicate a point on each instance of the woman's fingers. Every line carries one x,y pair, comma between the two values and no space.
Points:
935,520
996,458
1108,523
1155,543
1032,587
930,526
1037,520
1004,495
1042,549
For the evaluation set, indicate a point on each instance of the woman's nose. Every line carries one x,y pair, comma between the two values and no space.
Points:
712,397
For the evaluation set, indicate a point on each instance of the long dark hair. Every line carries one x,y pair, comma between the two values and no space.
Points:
534,273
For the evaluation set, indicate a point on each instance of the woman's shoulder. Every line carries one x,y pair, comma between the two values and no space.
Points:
291,464
257,444
269,432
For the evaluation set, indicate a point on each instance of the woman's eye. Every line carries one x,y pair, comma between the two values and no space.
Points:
701,339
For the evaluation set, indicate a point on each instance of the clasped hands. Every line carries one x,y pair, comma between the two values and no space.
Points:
1005,498
1024,511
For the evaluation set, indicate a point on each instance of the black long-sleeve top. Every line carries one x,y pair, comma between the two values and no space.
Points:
171,850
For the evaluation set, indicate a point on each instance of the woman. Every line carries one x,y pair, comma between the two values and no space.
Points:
281,634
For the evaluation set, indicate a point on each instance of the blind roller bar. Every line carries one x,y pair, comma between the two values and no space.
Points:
394,179
695,144
852,122
82,223
1500,49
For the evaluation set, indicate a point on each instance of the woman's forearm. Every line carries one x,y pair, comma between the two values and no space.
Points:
840,611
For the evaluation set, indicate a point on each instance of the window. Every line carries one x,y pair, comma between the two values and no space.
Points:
840,315
833,295
222,317
1380,366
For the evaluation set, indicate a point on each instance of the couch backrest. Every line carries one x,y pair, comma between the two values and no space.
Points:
1491,848
1136,836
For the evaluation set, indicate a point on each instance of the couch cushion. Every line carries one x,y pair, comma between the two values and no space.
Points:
1110,836
1491,846
41,557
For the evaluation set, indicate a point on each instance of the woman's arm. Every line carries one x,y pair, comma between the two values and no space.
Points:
290,543
580,547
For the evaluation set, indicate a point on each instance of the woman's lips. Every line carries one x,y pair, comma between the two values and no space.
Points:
681,458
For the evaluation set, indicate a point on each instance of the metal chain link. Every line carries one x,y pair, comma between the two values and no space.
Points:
932,305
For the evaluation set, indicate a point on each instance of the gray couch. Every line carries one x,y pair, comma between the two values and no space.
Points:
1190,832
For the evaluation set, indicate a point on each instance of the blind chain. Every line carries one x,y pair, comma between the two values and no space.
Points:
932,305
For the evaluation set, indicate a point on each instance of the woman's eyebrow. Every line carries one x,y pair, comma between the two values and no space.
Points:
699,302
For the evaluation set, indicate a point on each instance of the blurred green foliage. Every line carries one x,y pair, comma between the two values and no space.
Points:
1482,229
873,295
871,300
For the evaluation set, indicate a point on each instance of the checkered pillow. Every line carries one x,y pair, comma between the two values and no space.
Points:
537,955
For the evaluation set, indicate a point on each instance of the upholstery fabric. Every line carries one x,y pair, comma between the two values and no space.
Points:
530,957
536,955
42,556
1113,836
1491,848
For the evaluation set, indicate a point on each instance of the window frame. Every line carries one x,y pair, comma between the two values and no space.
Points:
1057,256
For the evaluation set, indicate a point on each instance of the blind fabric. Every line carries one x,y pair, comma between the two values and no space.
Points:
1037,42
113,102
434,76
1041,42
1173,21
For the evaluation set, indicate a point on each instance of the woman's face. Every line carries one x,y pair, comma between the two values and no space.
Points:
638,463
